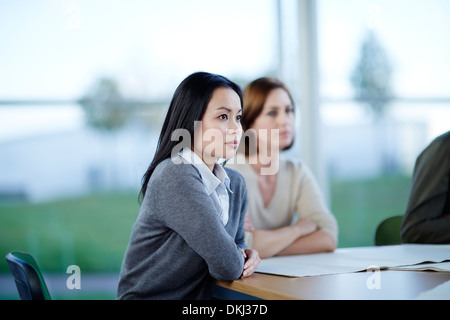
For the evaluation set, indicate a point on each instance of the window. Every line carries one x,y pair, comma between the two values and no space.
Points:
66,53
370,154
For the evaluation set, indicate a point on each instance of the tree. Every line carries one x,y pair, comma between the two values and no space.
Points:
371,78
104,106
107,112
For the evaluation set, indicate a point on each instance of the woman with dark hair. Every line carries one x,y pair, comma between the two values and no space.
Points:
286,211
190,224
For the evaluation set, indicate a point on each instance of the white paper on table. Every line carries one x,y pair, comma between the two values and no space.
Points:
441,292
345,260
439,267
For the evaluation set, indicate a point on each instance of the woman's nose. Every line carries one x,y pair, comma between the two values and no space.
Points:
281,119
234,126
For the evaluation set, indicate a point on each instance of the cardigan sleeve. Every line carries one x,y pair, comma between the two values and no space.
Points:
240,187
311,204
184,206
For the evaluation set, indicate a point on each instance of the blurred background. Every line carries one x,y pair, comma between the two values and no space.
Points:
85,85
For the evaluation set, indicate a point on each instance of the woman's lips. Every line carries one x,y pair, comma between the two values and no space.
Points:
284,133
233,143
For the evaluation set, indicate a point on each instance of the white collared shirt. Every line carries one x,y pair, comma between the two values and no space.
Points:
217,183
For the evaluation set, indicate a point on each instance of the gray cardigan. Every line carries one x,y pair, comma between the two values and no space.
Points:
178,241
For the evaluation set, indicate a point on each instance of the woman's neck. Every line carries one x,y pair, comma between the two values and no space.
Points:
268,165
210,162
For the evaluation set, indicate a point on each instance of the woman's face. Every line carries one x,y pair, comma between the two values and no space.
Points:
277,114
221,128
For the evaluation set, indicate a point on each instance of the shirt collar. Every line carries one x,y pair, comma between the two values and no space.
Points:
210,179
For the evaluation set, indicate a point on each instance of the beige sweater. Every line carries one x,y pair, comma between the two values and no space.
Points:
296,195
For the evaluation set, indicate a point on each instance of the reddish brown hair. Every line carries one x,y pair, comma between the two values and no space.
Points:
255,95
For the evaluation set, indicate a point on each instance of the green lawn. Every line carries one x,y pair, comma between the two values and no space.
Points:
93,232
360,205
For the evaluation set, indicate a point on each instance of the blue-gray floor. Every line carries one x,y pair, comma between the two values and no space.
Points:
93,286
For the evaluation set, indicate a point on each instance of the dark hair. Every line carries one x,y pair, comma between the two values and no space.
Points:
188,105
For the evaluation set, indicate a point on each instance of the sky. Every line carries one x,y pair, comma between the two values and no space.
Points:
416,37
414,33
57,49
54,48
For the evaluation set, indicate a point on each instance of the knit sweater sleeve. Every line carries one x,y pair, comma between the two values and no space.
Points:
185,207
311,204
240,198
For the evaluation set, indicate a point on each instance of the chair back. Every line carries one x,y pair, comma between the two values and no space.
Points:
388,231
28,277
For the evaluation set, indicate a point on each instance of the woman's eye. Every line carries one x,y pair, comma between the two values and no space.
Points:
223,117
272,113
239,118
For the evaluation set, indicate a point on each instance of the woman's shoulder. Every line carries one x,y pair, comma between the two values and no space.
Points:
439,148
173,170
292,165
296,169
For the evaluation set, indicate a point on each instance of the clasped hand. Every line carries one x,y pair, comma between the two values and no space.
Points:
252,261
